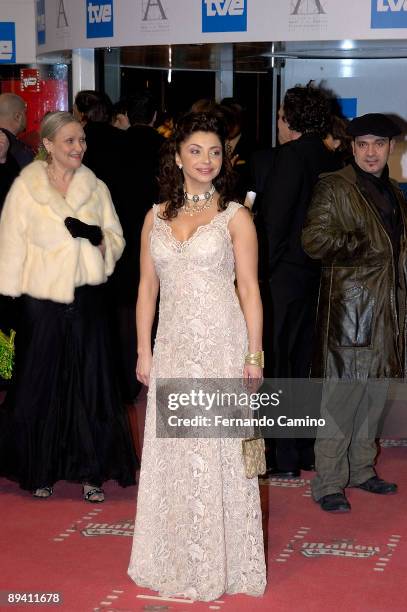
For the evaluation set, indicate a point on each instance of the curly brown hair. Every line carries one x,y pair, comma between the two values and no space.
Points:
307,110
171,179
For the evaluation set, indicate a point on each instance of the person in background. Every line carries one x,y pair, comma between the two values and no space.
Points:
93,109
9,169
356,226
259,164
59,241
138,192
198,529
238,146
13,121
120,119
110,159
339,141
303,123
92,105
142,145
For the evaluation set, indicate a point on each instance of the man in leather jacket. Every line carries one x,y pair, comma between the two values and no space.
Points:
356,226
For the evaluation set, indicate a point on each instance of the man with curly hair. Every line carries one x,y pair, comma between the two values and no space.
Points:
303,123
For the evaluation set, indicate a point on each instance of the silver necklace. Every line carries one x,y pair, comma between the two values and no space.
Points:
193,206
198,197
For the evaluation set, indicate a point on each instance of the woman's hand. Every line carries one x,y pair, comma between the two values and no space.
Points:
253,377
143,368
252,371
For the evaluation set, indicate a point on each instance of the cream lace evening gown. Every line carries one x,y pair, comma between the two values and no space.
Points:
198,530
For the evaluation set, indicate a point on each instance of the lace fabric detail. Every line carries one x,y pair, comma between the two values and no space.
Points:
198,530
220,220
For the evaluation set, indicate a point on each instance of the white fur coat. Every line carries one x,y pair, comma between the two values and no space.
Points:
38,256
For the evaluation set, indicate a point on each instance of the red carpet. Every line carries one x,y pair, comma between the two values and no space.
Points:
354,562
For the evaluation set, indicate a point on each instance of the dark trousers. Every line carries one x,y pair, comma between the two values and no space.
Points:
126,343
294,297
345,449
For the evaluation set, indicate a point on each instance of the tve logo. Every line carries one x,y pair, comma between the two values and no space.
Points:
7,42
224,15
99,23
389,14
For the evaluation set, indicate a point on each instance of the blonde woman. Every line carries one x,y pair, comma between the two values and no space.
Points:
59,240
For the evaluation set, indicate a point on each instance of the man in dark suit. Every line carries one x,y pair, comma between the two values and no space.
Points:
141,144
103,141
139,186
259,166
303,122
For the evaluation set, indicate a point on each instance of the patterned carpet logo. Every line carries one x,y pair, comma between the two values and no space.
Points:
285,483
338,549
389,443
122,528
303,544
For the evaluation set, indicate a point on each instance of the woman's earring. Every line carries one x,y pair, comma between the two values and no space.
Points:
180,166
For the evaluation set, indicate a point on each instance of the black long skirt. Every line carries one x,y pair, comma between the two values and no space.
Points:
63,418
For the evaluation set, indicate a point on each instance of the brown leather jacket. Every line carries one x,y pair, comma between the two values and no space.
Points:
360,328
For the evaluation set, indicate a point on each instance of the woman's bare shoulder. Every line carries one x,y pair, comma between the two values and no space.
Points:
156,211
149,219
241,216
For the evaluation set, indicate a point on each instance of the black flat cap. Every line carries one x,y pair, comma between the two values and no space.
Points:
375,124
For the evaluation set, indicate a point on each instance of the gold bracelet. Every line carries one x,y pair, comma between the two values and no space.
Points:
256,359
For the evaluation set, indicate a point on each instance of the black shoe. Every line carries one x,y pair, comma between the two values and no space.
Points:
336,502
377,485
274,471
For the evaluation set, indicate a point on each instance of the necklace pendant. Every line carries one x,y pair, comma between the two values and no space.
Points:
192,204
197,197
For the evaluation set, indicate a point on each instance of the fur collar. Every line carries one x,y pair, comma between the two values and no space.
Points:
83,183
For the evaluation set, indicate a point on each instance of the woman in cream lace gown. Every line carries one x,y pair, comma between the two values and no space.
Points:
198,530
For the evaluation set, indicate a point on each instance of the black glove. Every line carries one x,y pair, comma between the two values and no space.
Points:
79,229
